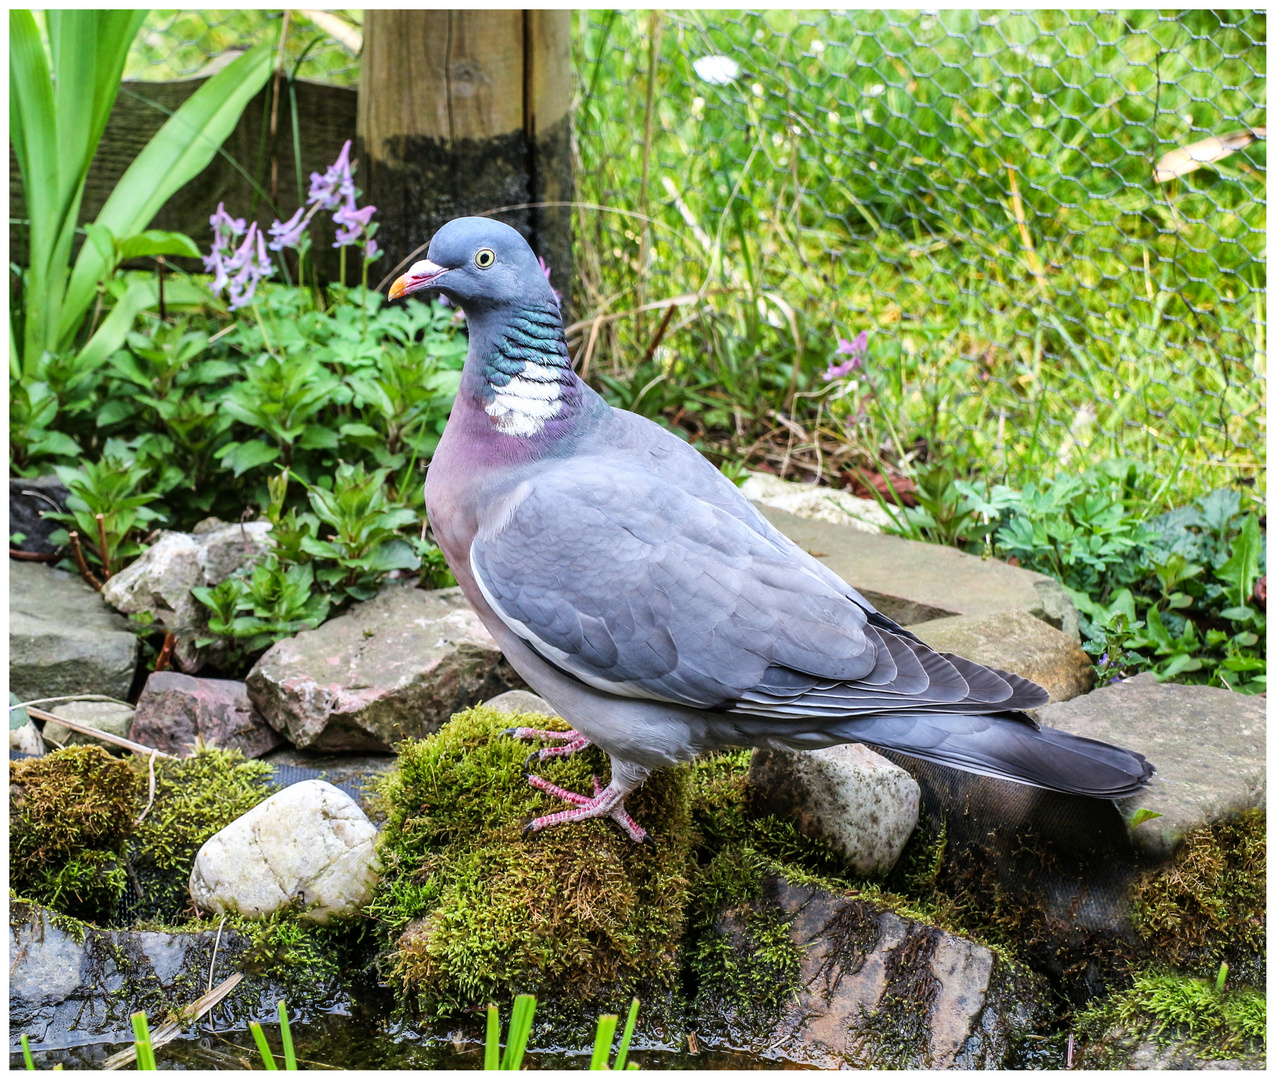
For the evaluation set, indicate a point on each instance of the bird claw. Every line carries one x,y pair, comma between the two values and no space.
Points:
607,802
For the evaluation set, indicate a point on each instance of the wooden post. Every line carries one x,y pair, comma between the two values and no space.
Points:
462,112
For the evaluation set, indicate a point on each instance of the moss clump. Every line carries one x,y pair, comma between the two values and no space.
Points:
1210,904
1170,1007
476,912
69,814
195,797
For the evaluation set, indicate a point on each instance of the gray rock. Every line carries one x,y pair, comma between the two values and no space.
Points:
1017,642
816,503
30,498
913,582
392,668
308,846
521,701
175,710
1181,1055
1208,745
68,987
852,798
104,715
63,639
160,581
875,990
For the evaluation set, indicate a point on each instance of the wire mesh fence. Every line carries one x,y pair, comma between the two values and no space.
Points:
1050,225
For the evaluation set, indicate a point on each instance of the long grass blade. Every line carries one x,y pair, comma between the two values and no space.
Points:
263,1047
631,1020
26,1054
180,150
602,1041
142,1036
492,1045
285,1035
520,1030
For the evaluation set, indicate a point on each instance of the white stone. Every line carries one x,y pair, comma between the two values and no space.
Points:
816,503
852,798
26,740
308,845
161,579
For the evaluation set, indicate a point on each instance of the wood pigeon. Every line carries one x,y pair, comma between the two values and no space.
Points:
632,585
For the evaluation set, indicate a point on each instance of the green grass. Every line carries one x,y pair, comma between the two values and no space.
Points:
1072,311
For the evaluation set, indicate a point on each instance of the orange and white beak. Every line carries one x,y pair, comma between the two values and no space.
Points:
419,276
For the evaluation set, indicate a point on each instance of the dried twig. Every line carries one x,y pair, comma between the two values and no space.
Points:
171,1030
660,333
78,555
150,770
166,652
97,733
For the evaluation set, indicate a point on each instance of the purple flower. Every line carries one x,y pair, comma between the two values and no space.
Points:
334,186
249,263
857,350
353,222
288,233
545,269
225,227
372,250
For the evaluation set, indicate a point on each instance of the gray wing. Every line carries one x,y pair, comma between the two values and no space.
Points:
641,589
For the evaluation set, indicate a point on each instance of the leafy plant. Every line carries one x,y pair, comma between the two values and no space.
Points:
109,505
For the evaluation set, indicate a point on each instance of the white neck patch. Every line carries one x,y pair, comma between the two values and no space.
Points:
531,397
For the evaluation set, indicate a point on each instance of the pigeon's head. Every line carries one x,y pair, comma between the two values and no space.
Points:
481,265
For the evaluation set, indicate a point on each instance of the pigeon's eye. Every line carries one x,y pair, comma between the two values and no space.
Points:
484,258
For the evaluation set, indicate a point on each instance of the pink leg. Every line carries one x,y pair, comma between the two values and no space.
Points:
607,802
571,742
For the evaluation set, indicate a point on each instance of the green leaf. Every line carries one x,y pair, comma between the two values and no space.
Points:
244,456
1141,815
141,294
156,242
317,437
1241,569
114,411
179,152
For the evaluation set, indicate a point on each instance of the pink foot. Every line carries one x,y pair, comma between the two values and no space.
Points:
571,742
607,802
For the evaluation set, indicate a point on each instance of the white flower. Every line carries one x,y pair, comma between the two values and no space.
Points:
876,90
817,46
716,70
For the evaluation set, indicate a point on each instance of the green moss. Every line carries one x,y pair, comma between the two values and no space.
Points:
69,813
195,797
896,1033
1210,904
1171,1007
476,912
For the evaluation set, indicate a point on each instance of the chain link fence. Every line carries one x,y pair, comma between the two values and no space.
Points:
1050,225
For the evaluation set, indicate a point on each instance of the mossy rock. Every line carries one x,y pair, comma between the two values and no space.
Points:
478,912
1209,904
70,813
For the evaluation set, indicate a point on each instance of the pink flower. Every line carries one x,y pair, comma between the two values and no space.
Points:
353,222
288,233
334,186
857,350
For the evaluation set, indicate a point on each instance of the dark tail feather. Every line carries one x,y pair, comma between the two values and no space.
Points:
1011,747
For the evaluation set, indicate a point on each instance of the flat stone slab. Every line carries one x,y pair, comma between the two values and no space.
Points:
64,992
395,667
521,701
867,974
1208,745
815,502
103,715
63,639
1018,642
912,582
